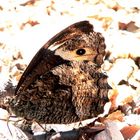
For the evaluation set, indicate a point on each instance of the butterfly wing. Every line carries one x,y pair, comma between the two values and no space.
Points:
45,59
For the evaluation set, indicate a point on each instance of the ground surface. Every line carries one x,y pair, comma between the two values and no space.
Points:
26,25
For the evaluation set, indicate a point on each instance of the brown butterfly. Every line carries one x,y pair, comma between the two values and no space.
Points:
64,83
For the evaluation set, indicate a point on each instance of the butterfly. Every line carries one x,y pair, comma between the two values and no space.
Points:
63,82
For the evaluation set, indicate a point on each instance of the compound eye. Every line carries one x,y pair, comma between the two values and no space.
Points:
80,51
